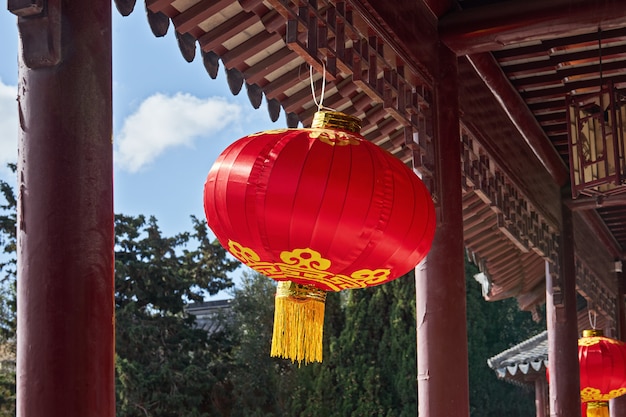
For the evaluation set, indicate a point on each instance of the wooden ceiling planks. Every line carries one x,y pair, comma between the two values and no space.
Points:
213,39
162,6
493,27
510,272
189,20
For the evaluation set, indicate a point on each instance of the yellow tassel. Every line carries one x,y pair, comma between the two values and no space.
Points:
597,409
298,322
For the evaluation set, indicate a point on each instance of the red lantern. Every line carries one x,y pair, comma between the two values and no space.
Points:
602,363
322,209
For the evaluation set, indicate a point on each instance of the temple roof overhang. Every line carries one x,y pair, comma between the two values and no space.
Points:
524,362
517,62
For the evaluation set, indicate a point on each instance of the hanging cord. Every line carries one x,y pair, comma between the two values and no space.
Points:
592,321
319,105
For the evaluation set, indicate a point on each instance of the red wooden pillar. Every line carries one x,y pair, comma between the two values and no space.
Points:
562,325
65,341
540,397
442,362
617,406
621,305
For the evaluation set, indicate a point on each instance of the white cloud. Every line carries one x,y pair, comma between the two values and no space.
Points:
163,122
8,125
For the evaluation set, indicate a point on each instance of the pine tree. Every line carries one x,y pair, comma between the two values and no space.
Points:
256,377
369,365
164,365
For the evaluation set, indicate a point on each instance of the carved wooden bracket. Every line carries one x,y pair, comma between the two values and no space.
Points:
331,37
39,25
517,218
597,294
558,299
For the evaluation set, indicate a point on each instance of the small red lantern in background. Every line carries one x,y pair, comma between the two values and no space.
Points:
602,363
319,209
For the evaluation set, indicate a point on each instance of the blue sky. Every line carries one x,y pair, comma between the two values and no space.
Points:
171,120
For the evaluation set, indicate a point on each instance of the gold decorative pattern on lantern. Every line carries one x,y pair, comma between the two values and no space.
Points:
590,341
307,265
245,255
334,137
594,394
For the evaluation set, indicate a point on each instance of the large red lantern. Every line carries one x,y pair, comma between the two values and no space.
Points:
602,363
319,209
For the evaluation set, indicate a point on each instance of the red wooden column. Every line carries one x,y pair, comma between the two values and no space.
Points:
617,406
65,350
562,325
540,397
440,282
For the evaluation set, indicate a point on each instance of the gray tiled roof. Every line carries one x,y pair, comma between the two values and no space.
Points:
526,358
210,314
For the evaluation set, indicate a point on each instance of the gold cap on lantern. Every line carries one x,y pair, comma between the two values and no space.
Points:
298,322
336,120
592,332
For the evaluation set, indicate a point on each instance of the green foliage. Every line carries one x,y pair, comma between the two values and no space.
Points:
164,273
376,369
8,263
493,327
7,393
369,355
369,365
164,366
8,295
256,377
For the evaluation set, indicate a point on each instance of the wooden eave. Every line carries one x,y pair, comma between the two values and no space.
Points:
378,63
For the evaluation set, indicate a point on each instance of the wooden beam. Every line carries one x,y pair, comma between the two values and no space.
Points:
213,39
590,203
198,13
596,224
273,62
546,47
438,7
493,77
497,25
235,57
414,36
